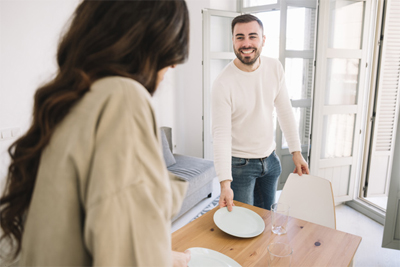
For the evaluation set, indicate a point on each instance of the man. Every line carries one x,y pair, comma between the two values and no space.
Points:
244,96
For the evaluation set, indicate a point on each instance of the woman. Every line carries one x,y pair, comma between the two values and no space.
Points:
87,184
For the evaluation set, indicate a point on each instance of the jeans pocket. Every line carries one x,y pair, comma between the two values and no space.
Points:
239,162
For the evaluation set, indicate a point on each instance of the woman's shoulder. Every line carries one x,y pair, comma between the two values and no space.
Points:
118,86
121,92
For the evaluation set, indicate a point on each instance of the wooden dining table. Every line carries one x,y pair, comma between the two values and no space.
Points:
312,244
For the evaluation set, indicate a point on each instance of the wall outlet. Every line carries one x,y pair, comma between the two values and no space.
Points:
9,133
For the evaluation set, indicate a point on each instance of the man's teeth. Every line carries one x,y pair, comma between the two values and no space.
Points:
247,51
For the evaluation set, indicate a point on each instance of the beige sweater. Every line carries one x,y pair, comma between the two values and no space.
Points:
103,195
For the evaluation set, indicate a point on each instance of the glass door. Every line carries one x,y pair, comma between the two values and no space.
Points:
338,94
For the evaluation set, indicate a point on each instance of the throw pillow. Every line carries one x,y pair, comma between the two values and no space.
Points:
168,157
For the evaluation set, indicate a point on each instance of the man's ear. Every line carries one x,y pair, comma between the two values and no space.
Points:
263,40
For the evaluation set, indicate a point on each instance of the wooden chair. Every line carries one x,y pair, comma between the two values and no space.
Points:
310,199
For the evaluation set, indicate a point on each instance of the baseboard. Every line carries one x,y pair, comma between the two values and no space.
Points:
368,210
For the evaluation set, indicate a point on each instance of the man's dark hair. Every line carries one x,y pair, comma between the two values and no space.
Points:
246,18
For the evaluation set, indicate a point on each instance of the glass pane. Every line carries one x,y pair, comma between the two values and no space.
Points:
338,133
346,23
250,3
220,34
300,28
303,122
298,72
216,67
271,22
342,81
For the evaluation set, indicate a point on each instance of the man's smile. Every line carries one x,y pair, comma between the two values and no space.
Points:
247,51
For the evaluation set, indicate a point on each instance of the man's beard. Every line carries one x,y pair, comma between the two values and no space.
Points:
247,60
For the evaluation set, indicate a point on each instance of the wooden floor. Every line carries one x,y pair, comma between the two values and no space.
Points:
369,253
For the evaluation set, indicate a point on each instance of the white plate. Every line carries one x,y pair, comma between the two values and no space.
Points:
202,257
240,222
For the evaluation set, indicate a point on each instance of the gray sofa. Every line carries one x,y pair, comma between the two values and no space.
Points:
199,172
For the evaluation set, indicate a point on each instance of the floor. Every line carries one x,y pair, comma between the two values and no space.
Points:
369,253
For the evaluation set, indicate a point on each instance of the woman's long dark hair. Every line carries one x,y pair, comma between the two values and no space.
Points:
133,39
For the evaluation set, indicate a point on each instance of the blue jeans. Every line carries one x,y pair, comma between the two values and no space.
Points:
255,180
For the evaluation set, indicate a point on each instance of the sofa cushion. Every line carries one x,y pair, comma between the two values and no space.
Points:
168,157
197,171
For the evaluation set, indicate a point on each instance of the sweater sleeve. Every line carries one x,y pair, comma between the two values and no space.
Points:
221,131
129,201
285,114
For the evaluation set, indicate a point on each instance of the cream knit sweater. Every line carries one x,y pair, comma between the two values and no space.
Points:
242,114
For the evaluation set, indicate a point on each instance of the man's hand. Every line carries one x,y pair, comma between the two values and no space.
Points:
301,166
180,259
226,197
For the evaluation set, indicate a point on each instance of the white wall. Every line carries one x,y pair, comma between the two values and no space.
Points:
227,5
29,34
188,101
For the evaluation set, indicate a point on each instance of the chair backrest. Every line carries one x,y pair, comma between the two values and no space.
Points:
310,199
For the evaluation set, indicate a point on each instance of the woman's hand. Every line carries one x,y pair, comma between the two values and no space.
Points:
180,259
